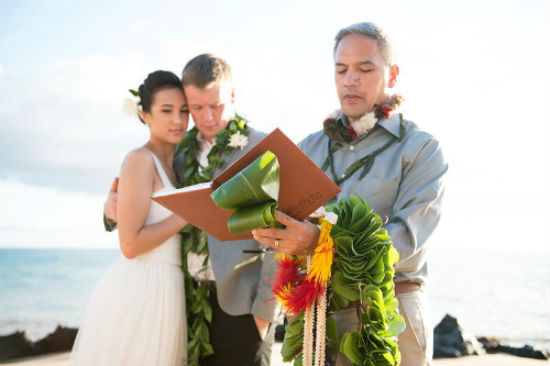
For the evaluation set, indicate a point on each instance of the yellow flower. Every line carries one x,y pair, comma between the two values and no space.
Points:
321,262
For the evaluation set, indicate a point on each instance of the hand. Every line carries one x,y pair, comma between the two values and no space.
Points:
262,326
110,207
298,238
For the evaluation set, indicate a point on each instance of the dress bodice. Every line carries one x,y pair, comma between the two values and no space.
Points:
169,251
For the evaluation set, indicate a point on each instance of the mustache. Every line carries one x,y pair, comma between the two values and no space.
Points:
352,93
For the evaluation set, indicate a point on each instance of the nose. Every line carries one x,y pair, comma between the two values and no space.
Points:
351,78
209,115
181,119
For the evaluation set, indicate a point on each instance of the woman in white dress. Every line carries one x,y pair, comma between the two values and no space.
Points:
136,313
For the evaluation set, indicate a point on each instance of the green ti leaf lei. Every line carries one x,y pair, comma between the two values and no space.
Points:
193,240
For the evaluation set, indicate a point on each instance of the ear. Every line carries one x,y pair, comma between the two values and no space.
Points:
145,117
232,95
393,72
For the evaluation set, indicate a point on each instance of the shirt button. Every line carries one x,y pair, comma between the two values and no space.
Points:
351,147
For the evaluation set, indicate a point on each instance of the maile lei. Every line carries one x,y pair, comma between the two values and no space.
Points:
340,133
193,240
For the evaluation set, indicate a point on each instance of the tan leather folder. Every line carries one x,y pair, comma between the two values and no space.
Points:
303,188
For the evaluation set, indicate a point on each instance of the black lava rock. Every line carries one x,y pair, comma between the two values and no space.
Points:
450,340
14,345
495,345
17,344
61,340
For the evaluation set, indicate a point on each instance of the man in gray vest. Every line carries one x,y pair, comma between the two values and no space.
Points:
239,271
372,152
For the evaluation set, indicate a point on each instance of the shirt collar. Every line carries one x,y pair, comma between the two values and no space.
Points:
204,142
391,124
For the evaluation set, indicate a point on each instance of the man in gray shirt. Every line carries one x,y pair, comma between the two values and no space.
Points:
372,152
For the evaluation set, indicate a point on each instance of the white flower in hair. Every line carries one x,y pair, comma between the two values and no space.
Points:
130,106
363,125
238,140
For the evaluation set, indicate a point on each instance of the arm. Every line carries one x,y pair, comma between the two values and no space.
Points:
134,200
110,207
265,312
416,212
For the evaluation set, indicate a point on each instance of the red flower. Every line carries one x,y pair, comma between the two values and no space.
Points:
352,132
294,291
386,111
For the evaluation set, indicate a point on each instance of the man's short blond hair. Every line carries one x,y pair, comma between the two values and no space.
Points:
204,70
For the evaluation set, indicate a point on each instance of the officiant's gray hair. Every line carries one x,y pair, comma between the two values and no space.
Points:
370,30
204,70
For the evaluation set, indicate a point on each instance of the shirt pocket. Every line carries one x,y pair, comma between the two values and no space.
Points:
380,194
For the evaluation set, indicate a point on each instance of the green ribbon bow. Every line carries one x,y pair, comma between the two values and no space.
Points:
252,193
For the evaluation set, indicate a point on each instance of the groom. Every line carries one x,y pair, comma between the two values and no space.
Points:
240,331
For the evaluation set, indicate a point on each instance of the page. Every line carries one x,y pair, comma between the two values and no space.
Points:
194,187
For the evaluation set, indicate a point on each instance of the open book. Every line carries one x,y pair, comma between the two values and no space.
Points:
303,188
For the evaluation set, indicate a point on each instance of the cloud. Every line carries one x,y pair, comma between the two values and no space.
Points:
63,126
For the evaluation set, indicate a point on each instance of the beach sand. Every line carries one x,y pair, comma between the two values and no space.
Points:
62,359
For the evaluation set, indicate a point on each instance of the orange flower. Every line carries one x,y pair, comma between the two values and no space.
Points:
324,254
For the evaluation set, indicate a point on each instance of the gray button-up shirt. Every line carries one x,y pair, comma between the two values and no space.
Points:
404,184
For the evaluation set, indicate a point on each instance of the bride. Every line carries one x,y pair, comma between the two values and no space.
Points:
136,313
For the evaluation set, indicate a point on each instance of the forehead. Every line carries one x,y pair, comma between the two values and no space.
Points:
355,48
169,96
212,93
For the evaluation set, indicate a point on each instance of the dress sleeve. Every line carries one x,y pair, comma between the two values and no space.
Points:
417,207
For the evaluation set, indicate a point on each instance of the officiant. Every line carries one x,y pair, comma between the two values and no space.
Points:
373,151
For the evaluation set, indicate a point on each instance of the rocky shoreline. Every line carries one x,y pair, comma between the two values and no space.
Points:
450,341
17,345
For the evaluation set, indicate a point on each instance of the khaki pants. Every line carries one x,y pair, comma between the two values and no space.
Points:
415,343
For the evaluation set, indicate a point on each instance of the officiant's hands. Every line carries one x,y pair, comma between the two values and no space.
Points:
297,238
110,206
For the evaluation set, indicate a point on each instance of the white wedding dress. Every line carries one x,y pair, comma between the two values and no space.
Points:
136,313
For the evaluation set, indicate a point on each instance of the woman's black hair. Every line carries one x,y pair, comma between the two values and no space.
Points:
155,82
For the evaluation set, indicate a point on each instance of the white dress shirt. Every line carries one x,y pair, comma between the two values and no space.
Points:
195,261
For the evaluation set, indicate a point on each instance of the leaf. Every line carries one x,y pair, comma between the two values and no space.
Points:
340,287
206,349
207,312
332,333
298,361
392,304
348,347
396,323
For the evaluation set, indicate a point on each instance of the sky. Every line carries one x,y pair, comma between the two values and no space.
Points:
475,74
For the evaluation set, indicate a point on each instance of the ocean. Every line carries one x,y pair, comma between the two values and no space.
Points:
502,294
